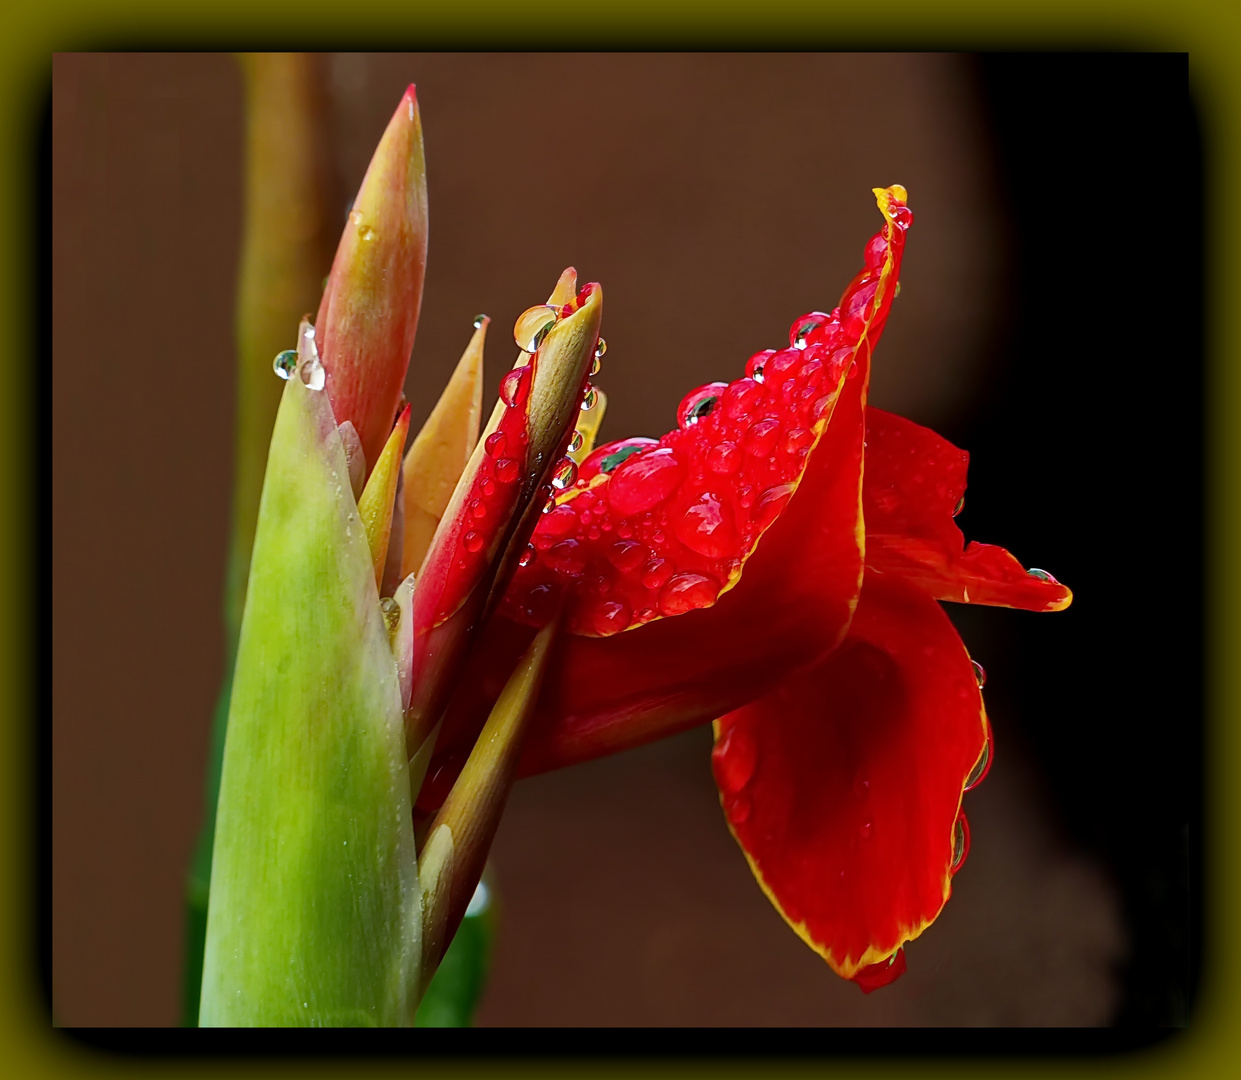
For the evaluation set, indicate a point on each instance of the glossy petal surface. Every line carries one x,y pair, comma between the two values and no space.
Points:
914,482
844,785
791,605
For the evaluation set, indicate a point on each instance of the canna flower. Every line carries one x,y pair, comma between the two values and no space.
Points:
422,627
774,565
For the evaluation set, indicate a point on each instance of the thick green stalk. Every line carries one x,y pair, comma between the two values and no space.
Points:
286,248
315,912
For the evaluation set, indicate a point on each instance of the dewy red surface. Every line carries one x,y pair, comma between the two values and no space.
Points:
661,528
913,487
608,693
844,786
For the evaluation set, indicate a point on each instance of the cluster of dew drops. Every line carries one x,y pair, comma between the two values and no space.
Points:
649,528
304,360
496,485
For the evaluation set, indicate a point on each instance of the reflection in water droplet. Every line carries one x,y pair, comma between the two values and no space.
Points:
313,374
391,612
564,474
355,217
514,386
479,321
960,841
686,592
600,349
472,541
527,556
959,507
532,326
980,766
494,445
575,441
980,675
507,471
366,233
285,363
589,399
1042,575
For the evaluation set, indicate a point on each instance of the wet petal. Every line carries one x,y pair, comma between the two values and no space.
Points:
792,605
913,484
658,528
843,787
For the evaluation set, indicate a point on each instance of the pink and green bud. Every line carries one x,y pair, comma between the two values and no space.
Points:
369,311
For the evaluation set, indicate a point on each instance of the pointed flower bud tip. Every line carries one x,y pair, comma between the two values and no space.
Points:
369,311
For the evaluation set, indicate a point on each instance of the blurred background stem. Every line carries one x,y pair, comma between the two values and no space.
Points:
286,250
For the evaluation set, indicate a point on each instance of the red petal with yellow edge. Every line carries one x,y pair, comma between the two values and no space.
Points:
657,529
843,786
792,604
913,485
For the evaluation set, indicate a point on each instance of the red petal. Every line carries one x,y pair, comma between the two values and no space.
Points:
843,786
791,606
913,483
653,530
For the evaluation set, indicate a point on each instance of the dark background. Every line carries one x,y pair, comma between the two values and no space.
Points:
1049,323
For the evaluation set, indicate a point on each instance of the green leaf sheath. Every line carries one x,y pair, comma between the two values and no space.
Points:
315,913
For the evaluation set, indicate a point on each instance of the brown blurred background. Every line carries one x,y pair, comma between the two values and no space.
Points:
716,197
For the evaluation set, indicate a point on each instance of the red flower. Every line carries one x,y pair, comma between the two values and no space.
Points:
773,565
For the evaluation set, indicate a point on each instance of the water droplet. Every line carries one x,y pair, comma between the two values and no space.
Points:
699,403
558,522
596,365
478,509
866,829
285,363
798,439
980,676
707,527
1042,575
724,458
575,441
480,321
391,612
564,474
761,437
757,363
355,217
687,591
960,842
800,333
738,809
527,556
566,557
611,618
487,486
312,374
734,760
876,252
959,507
472,541
981,766
532,326
514,386
771,503
365,232
494,444
897,290
589,398
644,481
658,571
627,555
